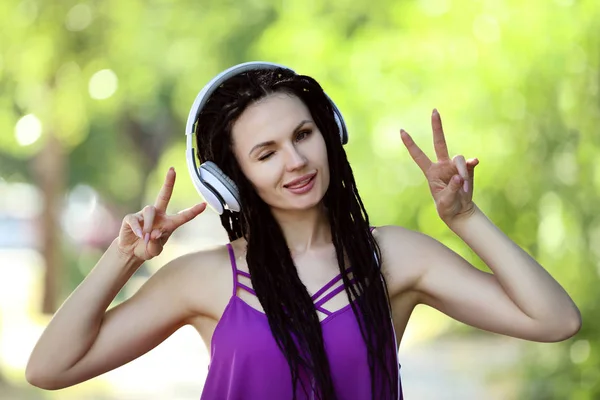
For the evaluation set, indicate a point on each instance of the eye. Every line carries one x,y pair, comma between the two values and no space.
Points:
264,157
303,134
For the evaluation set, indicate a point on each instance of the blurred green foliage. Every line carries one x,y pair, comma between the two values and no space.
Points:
516,84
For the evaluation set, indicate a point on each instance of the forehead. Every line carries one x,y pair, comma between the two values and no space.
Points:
273,116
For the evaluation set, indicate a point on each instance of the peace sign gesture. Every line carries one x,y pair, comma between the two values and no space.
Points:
450,180
144,233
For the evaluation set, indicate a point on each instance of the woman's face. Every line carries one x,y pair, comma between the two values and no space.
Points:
282,152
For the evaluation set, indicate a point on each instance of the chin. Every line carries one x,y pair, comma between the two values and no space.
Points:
304,203
306,206
298,205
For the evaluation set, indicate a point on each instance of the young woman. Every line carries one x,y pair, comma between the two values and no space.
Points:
307,300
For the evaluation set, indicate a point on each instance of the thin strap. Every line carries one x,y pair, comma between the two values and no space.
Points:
329,295
246,288
327,286
324,311
237,272
233,267
243,273
239,284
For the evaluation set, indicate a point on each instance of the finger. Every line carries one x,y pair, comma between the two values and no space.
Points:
155,234
148,213
164,196
187,215
461,166
439,141
471,164
134,222
415,152
456,183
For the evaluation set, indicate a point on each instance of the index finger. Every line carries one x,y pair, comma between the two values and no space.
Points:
415,152
164,196
439,141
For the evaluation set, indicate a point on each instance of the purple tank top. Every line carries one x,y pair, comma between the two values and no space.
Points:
246,363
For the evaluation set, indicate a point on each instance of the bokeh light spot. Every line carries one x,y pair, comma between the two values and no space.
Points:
79,17
28,130
103,84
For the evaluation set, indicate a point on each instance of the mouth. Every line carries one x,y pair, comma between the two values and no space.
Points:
300,182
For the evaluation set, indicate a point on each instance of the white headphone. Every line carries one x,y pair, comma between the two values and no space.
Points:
212,184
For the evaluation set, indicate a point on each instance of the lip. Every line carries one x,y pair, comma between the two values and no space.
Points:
305,188
295,182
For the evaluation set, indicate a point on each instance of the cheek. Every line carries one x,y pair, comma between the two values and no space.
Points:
321,147
326,173
263,177
326,177
322,152
262,182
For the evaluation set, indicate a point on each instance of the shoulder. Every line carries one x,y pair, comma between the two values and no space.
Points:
402,250
202,277
209,264
201,263
387,235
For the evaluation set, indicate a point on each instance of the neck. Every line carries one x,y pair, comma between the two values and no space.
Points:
304,230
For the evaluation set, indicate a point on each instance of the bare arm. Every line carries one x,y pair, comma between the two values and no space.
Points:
519,299
537,296
84,340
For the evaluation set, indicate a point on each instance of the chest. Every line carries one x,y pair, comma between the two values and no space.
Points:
245,360
243,334
318,272
320,275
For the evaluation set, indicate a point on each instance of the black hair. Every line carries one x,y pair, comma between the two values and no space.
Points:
287,304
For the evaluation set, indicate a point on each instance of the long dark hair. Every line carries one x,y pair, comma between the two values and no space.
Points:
289,308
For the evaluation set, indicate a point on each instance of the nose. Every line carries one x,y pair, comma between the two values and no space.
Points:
294,159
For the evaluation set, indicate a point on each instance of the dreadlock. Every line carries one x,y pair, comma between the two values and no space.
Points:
288,306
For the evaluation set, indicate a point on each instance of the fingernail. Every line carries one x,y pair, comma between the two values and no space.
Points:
147,238
466,186
435,111
138,233
159,235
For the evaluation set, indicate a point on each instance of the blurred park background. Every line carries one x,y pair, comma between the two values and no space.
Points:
93,101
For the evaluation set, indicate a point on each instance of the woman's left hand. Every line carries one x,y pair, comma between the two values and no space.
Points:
450,180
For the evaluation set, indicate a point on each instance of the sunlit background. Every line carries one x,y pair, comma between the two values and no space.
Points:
93,101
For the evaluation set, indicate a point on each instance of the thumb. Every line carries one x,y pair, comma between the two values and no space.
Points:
455,184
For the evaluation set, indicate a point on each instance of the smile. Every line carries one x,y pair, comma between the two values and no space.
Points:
302,184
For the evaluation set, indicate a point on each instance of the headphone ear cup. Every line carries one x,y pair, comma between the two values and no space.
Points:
341,127
339,121
206,191
224,187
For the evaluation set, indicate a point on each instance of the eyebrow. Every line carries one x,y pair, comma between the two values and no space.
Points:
272,142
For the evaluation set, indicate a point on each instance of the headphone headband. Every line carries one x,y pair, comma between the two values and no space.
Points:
214,83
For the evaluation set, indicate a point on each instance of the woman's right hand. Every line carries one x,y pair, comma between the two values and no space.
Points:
144,233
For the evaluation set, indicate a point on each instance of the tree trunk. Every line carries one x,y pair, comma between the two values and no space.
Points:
49,167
